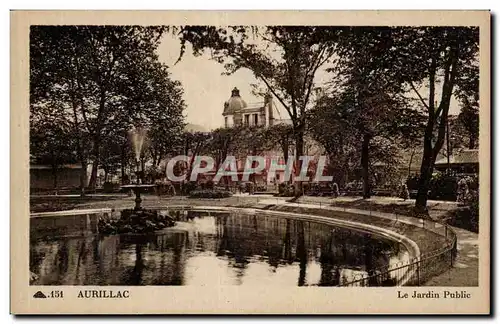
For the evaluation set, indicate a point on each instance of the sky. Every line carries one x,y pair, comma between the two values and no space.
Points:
206,89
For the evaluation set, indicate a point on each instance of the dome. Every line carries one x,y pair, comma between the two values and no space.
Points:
234,104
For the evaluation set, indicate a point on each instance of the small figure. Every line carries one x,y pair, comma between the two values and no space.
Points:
335,189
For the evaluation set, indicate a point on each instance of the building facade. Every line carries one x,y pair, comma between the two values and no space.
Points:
238,112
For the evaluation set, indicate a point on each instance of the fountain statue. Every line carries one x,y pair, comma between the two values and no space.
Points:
137,220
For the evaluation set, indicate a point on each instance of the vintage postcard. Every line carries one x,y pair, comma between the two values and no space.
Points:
246,162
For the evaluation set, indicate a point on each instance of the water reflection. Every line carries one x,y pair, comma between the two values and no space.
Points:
221,249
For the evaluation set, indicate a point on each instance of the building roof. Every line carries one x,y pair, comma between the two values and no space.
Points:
234,104
461,157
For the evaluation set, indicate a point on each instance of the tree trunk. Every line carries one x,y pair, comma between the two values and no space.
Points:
411,160
253,175
426,168
54,177
299,151
364,166
83,176
441,117
122,169
95,163
97,138
93,175
424,182
285,148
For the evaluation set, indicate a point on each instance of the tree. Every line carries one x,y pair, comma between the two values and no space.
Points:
51,141
281,136
445,57
194,144
284,58
55,85
222,143
468,123
108,79
369,103
368,97
329,126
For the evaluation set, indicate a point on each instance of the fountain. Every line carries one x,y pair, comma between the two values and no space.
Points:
137,220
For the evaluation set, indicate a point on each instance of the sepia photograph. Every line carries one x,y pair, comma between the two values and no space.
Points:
255,156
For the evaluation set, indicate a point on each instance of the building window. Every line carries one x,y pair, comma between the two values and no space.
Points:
256,119
225,122
247,120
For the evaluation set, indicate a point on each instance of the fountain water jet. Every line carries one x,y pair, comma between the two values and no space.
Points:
138,136
137,220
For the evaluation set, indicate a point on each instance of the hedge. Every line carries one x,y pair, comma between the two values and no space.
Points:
211,194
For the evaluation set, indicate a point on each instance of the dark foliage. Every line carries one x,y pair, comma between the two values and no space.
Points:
210,194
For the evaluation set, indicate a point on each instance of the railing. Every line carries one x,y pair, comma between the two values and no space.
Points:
414,272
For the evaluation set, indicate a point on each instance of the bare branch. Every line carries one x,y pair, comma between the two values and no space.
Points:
419,96
275,94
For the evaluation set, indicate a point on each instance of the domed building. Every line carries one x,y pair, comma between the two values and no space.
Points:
237,112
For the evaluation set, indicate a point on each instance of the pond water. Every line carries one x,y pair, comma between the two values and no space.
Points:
213,249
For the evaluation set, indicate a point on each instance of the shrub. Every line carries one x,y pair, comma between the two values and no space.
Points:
210,194
473,204
281,188
286,190
166,189
261,187
250,188
443,186
462,191
109,187
209,185
188,187
467,216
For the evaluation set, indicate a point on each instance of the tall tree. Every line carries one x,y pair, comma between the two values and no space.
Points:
56,85
372,100
337,124
444,62
329,124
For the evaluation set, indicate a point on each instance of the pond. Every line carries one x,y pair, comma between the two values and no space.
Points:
214,249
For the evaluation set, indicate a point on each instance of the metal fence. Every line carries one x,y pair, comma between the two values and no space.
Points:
414,272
